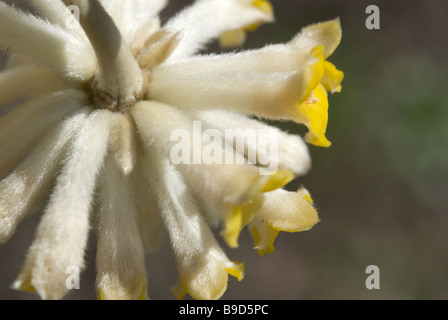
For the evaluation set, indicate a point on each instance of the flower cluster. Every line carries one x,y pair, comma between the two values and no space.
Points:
98,99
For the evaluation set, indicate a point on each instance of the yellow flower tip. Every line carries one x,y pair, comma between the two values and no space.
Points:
257,239
143,295
333,31
239,217
179,290
236,270
236,38
278,179
337,89
215,292
308,198
114,292
313,73
314,114
318,51
319,76
264,244
24,285
328,33
332,78
232,38
208,283
250,208
304,219
320,141
305,195
262,252
233,226
298,214
265,7
101,295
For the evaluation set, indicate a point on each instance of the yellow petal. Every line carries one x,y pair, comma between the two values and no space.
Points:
300,216
118,292
236,270
180,289
237,37
332,78
25,284
277,180
265,7
239,217
143,295
233,226
314,113
328,34
232,38
242,214
313,73
209,282
308,198
282,211
251,208
264,236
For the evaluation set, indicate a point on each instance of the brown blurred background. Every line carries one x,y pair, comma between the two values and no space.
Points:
380,189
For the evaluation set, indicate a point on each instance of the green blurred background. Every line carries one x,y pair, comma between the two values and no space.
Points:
380,189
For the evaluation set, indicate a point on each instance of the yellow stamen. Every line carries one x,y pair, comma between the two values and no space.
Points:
332,78
315,117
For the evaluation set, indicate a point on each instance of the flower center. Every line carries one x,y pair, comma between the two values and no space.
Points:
120,83
105,99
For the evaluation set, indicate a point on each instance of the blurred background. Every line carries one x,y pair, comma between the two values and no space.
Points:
381,189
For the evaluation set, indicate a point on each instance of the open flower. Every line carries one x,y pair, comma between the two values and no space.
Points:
98,100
